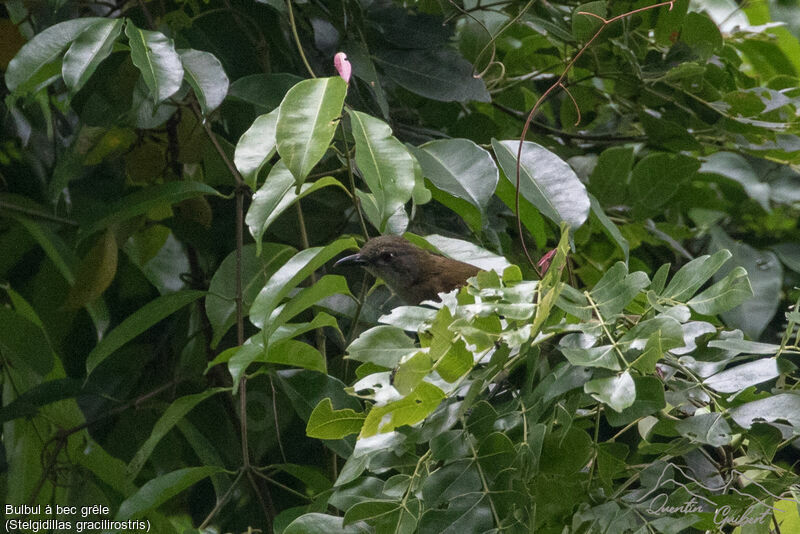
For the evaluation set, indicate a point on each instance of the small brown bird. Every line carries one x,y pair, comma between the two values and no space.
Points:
410,272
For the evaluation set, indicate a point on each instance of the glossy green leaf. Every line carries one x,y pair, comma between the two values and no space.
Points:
37,62
370,510
138,322
617,288
451,481
294,354
742,345
765,273
708,428
496,453
171,416
735,167
317,523
162,488
307,120
649,400
385,164
154,55
603,356
86,53
256,270
256,147
618,392
780,407
205,74
276,195
694,274
461,168
328,285
436,73
327,423
546,181
265,91
144,200
466,513
738,378
29,402
725,295
409,410
291,273
456,362
411,372
382,345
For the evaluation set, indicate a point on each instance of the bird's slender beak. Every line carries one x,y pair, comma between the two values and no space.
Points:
353,259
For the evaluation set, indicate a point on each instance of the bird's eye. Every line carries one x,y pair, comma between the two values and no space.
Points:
387,256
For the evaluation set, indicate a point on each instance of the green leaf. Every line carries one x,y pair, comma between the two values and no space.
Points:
450,482
28,403
95,273
144,200
725,295
154,55
294,354
735,167
316,523
546,181
256,147
291,273
649,400
609,227
328,285
265,91
385,164
382,345
327,423
603,356
457,361
171,416
735,379
618,392
411,372
276,195
307,120
373,510
24,343
436,73
86,53
742,345
34,63
256,270
656,179
708,428
162,488
609,179
765,273
616,289
205,74
64,260
783,406
409,410
138,322
496,453
693,275
585,26
701,34
461,168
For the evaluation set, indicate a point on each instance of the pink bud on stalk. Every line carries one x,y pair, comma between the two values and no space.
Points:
544,262
342,66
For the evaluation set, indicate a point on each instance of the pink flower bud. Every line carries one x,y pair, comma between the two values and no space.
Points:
544,262
342,66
